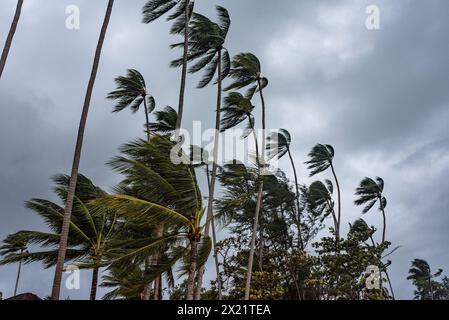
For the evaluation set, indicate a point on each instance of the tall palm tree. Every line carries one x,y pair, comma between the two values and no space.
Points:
421,274
236,109
370,192
157,192
10,37
77,157
183,10
206,49
279,145
132,92
321,159
92,237
14,244
246,71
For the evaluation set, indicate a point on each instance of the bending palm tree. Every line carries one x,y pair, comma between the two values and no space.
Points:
236,109
321,158
92,237
370,192
319,198
279,145
421,275
153,10
131,92
10,37
14,244
76,160
157,192
206,47
246,71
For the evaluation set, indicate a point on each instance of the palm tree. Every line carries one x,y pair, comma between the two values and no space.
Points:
279,145
236,109
319,198
10,37
206,48
246,71
421,275
77,157
369,192
14,244
92,237
321,158
183,10
157,192
132,92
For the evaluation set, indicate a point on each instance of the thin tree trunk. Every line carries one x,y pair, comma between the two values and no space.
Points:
337,232
259,201
389,283
147,119
10,37
192,269
300,240
184,68
253,243
384,225
432,296
93,288
76,161
210,203
18,275
147,288
157,281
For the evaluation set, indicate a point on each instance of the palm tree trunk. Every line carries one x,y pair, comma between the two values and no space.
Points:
300,241
192,269
210,202
253,242
157,258
337,232
76,160
432,296
384,225
389,283
10,37
18,276
93,288
184,68
147,287
259,201
147,127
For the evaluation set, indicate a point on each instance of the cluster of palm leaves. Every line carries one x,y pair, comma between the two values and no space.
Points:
156,224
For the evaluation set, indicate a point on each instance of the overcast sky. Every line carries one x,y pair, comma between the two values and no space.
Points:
379,97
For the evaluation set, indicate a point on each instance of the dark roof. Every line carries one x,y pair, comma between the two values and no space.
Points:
25,296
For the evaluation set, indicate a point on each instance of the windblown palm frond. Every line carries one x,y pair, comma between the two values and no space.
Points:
246,71
131,92
206,46
236,109
321,158
278,143
165,121
369,192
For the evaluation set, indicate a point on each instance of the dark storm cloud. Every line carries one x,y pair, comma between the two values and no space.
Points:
379,97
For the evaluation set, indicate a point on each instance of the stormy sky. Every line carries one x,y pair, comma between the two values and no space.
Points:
379,97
